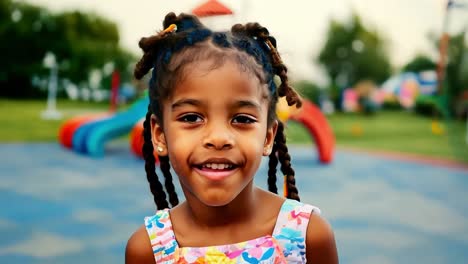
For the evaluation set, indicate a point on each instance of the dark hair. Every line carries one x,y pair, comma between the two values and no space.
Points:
168,53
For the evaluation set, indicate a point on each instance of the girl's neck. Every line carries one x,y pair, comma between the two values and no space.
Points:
239,210
245,218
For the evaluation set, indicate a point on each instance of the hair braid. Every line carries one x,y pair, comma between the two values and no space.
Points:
272,163
150,167
151,45
144,65
165,166
261,34
285,161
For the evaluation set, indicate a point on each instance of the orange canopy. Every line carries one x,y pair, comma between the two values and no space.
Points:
211,8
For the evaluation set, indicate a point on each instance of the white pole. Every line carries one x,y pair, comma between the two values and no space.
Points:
51,110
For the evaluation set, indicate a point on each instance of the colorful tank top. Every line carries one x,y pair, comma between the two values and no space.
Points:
285,245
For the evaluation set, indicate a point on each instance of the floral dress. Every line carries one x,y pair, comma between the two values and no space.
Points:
285,245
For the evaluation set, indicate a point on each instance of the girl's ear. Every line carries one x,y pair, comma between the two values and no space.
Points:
270,138
157,137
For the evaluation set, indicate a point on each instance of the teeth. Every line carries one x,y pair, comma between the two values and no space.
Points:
217,166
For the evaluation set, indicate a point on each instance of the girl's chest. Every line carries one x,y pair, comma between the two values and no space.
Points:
260,250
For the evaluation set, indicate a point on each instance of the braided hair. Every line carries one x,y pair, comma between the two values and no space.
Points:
186,40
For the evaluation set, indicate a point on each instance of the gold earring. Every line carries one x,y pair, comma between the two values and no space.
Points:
160,149
266,150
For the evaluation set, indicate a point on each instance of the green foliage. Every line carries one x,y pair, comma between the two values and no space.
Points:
456,72
309,90
352,53
419,63
391,105
456,69
80,42
427,106
19,46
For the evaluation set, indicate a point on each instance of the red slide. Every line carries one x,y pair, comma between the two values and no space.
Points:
68,128
316,123
136,140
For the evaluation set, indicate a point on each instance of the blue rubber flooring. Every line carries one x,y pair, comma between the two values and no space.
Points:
61,207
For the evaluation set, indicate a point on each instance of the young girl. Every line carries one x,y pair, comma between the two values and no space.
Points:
212,117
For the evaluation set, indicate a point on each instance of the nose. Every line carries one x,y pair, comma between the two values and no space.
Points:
218,136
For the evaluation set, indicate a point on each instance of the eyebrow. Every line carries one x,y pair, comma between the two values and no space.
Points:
237,104
248,104
183,102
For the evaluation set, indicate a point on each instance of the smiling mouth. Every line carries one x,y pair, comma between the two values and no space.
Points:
216,171
216,166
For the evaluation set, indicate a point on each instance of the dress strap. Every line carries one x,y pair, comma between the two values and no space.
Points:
163,242
291,228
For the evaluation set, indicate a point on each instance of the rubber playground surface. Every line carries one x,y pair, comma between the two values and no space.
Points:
62,207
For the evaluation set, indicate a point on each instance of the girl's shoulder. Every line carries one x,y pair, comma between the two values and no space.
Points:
319,237
138,249
158,228
304,222
295,215
291,229
290,206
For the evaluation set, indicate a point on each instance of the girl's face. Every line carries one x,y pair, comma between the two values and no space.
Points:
215,131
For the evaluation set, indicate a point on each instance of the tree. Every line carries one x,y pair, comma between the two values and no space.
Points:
456,68
456,73
309,90
419,63
81,42
352,53
21,51
88,42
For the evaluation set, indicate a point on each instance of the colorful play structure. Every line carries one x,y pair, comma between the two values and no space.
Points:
403,88
88,134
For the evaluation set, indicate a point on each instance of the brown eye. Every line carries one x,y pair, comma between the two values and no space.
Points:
243,119
190,118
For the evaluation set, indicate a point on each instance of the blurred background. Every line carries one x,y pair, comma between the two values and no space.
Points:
386,80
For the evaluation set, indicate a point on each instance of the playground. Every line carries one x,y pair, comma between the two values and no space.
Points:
381,149
78,199
64,207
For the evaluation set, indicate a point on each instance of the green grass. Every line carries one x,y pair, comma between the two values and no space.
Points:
390,131
21,120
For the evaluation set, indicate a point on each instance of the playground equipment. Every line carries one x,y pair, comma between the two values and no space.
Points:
88,134
211,8
68,129
406,87
315,122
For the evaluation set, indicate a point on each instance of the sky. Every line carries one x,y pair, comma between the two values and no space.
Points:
299,26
